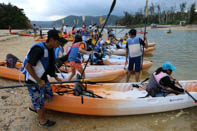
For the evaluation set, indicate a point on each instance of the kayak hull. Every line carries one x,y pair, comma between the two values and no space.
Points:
118,99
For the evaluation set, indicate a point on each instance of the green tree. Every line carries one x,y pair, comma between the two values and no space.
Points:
13,16
193,14
182,8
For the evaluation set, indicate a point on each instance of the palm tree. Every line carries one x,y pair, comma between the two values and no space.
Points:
182,8
159,12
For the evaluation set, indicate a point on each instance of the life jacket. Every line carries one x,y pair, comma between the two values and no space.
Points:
74,54
41,65
134,47
159,76
73,31
59,52
154,87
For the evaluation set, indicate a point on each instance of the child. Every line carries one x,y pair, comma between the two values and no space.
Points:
75,56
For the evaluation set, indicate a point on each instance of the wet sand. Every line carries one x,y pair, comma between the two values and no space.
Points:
14,103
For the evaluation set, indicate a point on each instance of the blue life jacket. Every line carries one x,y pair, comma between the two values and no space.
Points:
59,50
74,54
134,47
41,65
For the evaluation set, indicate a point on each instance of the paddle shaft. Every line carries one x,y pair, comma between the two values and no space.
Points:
57,82
188,93
145,22
111,9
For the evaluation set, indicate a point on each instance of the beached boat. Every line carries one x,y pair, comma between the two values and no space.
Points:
11,73
120,63
45,38
92,74
122,52
141,32
117,99
96,74
151,44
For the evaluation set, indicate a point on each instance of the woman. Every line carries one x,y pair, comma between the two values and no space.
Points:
161,83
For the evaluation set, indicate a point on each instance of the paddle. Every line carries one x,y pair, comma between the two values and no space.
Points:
111,9
137,85
145,22
57,82
188,93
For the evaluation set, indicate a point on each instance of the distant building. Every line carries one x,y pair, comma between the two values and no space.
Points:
181,23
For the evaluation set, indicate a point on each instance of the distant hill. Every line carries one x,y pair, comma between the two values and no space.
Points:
43,24
75,20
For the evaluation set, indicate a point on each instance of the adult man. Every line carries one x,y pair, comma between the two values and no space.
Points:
34,30
65,29
161,82
134,51
40,62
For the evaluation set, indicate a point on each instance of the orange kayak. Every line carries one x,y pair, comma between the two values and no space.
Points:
45,38
11,73
93,75
121,63
122,52
117,99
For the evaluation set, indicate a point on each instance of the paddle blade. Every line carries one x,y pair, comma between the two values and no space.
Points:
146,9
113,5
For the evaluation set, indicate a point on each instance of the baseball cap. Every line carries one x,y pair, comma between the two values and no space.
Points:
132,32
57,35
168,66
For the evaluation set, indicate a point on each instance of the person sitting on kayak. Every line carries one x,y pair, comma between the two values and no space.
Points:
74,57
161,83
98,53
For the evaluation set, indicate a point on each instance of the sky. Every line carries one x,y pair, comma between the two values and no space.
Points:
46,10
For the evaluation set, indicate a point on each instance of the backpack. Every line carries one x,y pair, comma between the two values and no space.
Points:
11,60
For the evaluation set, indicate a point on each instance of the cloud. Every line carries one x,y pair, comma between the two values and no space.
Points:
56,9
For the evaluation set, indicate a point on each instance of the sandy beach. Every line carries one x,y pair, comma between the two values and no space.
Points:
14,103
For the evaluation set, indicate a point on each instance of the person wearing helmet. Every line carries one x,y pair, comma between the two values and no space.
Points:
161,82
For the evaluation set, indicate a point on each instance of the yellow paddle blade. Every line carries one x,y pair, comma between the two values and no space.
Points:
101,20
146,10
107,41
124,42
93,41
62,21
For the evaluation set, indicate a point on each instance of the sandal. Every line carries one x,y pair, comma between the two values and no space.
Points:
33,110
48,123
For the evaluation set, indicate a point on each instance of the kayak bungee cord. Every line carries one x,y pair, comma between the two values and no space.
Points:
111,9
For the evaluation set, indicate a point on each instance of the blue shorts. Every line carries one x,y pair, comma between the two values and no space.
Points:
135,62
38,95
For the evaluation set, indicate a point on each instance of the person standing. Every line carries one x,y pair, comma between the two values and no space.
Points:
34,30
75,56
38,63
40,32
134,54
10,29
